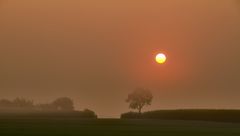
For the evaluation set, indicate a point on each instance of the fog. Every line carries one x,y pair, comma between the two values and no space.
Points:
96,52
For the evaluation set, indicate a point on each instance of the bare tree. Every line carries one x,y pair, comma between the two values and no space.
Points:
139,98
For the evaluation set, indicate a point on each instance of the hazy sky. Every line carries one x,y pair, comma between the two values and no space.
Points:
96,52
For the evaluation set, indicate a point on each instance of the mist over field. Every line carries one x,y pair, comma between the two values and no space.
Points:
96,52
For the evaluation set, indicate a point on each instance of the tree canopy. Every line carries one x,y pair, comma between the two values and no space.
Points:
139,98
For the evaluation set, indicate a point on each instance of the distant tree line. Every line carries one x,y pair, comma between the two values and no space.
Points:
137,100
62,106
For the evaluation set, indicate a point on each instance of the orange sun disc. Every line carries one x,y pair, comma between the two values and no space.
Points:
161,58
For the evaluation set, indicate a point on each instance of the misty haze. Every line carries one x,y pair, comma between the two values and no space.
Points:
121,59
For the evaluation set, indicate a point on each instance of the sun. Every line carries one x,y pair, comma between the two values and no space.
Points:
161,58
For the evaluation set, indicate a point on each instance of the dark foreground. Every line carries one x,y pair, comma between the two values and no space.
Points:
217,115
113,127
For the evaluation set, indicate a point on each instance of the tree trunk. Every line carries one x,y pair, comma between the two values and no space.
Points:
140,110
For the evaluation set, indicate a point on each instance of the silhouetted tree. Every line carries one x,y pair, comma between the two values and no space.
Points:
64,104
16,105
89,113
22,102
139,98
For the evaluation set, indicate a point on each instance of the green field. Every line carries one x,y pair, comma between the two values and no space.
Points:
113,127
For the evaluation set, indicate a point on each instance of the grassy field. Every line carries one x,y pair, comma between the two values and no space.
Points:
113,127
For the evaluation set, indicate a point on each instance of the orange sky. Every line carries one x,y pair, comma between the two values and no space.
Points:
96,52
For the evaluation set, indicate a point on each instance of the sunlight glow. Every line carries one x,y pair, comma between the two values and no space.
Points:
161,58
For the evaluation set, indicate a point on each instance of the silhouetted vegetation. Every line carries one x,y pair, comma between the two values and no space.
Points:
202,115
61,107
139,98
88,114
18,104
63,104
